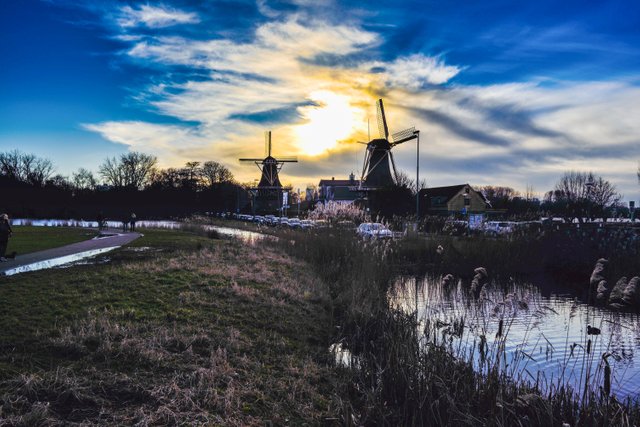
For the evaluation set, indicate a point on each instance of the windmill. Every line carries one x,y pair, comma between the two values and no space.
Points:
378,159
269,189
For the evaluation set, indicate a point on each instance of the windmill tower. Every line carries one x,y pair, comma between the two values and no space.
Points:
378,159
268,193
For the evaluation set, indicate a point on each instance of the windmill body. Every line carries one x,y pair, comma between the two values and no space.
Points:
379,169
268,193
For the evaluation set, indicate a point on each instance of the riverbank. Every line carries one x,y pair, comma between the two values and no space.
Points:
407,372
176,328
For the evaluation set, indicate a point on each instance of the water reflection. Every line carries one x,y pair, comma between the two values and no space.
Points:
535,338
64,261
247,236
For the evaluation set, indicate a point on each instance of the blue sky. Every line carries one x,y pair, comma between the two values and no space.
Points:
504,92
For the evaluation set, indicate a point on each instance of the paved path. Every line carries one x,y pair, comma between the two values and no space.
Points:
55,255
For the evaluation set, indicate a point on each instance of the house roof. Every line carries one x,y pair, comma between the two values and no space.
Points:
338,182
447,192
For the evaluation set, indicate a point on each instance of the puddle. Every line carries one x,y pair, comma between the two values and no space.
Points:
58,262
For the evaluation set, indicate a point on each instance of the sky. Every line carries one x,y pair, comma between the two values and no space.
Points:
504,92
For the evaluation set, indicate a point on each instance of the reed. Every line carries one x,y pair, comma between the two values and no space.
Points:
406,371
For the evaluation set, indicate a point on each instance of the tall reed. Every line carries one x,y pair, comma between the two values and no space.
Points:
403,372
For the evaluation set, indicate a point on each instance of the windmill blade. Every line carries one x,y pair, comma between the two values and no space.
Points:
363,143
251,160
405,135
393,164
383,129
267,143
287,159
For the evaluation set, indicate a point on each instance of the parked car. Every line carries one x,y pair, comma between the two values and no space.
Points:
294,223
374,230
499,227
306,224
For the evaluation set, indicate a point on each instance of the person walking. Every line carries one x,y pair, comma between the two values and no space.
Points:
5,233
132,222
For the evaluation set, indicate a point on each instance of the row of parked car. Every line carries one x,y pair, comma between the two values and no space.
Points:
366,230
276,221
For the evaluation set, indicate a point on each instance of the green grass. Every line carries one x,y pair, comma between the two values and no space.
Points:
192,330
26,239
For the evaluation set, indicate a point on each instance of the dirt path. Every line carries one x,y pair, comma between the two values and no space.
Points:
58,256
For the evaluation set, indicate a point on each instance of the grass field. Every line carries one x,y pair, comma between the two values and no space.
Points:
177,329
26,239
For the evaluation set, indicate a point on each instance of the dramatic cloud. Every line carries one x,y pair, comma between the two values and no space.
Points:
314,83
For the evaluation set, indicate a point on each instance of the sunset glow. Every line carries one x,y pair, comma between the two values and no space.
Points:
332,119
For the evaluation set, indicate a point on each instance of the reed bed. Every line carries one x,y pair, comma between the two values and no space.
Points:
403,370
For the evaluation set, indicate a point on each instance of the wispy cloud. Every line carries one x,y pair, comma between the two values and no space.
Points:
508,133
153,16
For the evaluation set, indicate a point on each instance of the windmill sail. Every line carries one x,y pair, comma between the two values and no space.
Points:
377,169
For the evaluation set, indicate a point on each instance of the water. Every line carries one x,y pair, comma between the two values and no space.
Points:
244,235
544,338
63,261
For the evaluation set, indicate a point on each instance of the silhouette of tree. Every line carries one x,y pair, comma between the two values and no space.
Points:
404,181
215,173
83,179
26,168
582,194
131,170
499,197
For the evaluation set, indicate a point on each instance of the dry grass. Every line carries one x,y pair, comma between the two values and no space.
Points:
232,337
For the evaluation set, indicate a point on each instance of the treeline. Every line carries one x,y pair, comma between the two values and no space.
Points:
575,196
129,183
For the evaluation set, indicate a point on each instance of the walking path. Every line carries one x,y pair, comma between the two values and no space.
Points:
64,254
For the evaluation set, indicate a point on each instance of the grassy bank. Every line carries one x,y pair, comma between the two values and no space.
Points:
177,329
26,239
402,374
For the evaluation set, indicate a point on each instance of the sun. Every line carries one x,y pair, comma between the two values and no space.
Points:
330,120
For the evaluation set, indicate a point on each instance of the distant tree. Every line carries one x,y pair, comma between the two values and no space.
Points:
83,179
215,173
403,180
499,197
25,167
60,182
165,178
131,170
582,194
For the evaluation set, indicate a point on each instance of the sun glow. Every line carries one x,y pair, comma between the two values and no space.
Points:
332,119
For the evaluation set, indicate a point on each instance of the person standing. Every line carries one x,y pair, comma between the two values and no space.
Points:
5,233
132,222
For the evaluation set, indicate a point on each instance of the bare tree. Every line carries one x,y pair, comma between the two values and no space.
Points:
10,164
39,171
165,178
403,180
583,194
602,196
191,175
215,173
25,167
498,196
83,179
530,193
60,182
129,170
